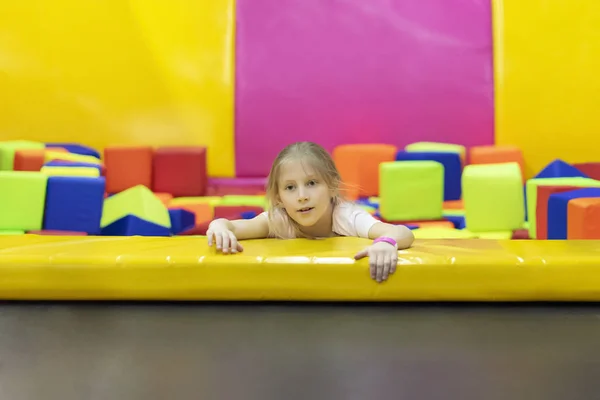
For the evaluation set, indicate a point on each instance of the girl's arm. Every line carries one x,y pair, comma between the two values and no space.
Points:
255,228
400,233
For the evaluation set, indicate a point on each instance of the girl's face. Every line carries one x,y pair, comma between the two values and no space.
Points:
304,194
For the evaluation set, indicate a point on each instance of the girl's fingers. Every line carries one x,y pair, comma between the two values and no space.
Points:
233,243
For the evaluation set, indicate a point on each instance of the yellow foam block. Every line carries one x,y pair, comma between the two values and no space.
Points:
71,171
55,155
184,268
546,62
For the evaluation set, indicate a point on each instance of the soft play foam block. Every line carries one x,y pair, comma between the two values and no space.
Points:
8,148
459,221
411,190
131,225
74,204
560,169
90,172
493,197
520,234
438,147
452,169
166,198
11,233
232,200
59,163
211,200
234,212
442,233
137,201
558,210
497,154
531,188
541,207
358,165
76,148
202,211
22,198
28,160
180,171
51,155
181,220
500,235
583,218
591,169
128,166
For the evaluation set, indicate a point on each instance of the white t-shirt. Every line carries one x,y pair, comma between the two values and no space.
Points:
349,219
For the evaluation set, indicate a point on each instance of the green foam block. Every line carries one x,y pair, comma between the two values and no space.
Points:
11,233
531,190
501,235
493,197
442,233
241,200
138,201
8,149
22,200
440,147
411,190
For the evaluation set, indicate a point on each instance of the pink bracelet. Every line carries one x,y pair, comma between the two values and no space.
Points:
386,239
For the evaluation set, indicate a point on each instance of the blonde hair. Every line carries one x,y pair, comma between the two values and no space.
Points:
325,167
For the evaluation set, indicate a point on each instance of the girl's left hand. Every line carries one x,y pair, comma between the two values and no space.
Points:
383,259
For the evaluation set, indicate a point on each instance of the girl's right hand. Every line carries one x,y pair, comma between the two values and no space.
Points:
224,239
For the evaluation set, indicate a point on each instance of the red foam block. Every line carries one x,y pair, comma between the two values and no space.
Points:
591,169
235,212
180,171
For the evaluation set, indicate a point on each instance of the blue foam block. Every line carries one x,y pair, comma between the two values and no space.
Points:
181,220
557,210
76,148
74,204
367,202
457,220
248,214
130,225
560,169
58,163
452,169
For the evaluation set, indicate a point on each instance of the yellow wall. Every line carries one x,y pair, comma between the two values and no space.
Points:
120,72
547,72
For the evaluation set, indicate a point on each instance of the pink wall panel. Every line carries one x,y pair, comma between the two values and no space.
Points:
352,71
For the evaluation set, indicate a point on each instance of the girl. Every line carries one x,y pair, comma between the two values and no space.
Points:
303,193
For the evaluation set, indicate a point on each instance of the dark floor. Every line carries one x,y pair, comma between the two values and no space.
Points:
285,352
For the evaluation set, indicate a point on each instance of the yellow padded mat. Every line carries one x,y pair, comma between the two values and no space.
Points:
184,268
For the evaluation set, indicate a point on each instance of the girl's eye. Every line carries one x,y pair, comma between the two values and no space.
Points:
289,187
312,183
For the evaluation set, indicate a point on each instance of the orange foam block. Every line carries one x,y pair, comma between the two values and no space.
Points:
583,218
541,207
434,224
359,167
127,166
164,197
29,160
454,205
496,155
